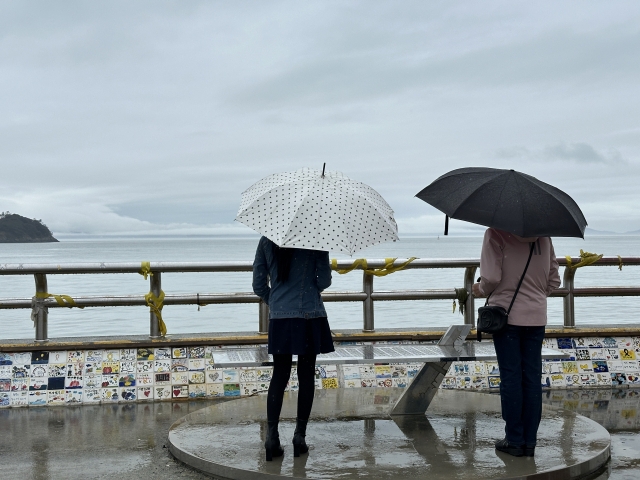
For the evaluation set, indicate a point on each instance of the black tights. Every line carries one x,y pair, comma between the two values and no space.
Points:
306,380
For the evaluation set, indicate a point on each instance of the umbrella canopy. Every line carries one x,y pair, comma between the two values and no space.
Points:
317,211
507,200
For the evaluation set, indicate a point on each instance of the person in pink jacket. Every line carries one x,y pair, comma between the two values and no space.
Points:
519,346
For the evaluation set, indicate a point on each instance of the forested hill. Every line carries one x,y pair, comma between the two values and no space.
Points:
18,229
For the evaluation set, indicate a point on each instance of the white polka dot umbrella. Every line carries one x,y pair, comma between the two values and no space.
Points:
305,209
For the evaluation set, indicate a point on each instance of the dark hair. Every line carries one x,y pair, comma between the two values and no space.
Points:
283,261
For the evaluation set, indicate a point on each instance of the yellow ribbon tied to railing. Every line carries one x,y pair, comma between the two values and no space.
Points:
145,269
155,304
388,267
586,258
62,300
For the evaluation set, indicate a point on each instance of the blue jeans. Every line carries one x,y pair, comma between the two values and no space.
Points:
519,351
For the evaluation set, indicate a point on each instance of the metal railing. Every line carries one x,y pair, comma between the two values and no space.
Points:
40,306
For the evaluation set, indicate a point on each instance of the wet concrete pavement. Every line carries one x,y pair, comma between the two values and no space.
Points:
126,441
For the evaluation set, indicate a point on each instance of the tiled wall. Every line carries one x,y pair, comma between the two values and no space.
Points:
144,374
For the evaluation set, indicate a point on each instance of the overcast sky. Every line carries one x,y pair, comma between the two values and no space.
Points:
153,117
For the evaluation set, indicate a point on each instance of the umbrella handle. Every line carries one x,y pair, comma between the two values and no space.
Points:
446,224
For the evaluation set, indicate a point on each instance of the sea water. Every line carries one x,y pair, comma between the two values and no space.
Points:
342,315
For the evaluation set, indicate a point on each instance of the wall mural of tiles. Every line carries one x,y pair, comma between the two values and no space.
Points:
155,374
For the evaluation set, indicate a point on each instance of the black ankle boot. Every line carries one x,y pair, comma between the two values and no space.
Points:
272,443
299,443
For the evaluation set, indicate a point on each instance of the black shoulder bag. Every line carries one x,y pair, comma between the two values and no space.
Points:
493,318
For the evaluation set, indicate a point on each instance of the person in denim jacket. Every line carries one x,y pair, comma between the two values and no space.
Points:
290,281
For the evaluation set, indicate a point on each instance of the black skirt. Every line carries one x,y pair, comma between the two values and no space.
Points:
300,336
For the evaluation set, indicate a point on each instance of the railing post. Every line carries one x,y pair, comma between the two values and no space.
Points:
367,304
155,288
263,318
39,312
469,306
568,300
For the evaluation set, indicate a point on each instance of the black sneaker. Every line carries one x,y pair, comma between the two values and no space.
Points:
528,451
506,447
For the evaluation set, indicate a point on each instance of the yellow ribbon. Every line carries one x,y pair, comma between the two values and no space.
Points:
156,304
62,300
145,269
388,267
586,258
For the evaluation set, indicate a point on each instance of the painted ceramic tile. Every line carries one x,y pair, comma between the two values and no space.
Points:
111,356
6,371
582,354
215,390
196,377
247,375
550,343
180,352
569,367
263,388
630,366
71,383
128,355
597,354
91,395
75,369
22,358
39,358
145,393
180,391
449,382
38,383
196,364
38,398
230,376
197,391
380,382
57,370
92,381
209,364
458,368
382,371
633,378
554,380
127,380
5,385
294,386
163,378
479,381
352,372
128,394
55,383
609,342
318,383
162,392
477,368
55,397
600,366
162,366
213,376
587,379
263,374
197,352
400,382
144,379
231,389
585,366
368,382
294,374
128,366
75,356
247,389
494,382
110,368
367,372
413,369
57,357
92,368
19,385
572,381
19,399
615,365
6,358
162,353
564,343
463,381
144,366
73,396
594,342
109,381
627,354
20,371
180,365
571,354
180,378
551,367
109,394
145,354
352,383
618,378
331,371
398,370
94,356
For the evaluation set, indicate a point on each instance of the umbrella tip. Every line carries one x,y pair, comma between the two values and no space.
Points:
446,224
323,165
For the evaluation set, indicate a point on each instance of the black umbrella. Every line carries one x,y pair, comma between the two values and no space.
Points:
506,200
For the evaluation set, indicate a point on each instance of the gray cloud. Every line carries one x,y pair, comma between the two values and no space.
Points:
562,152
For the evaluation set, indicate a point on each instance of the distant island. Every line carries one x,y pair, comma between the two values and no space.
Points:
18,229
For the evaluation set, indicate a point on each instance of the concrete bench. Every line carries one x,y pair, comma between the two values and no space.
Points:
417,396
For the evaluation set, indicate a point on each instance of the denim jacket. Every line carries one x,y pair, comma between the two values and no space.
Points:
299,296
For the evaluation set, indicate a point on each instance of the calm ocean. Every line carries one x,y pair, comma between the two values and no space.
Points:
216,318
